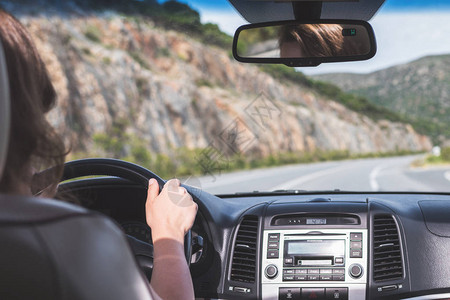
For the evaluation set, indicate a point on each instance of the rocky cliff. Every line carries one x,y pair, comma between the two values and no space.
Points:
168,90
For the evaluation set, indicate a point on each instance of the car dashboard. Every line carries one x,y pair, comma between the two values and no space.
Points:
311,245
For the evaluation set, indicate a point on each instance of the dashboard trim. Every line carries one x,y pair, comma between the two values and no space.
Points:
430,297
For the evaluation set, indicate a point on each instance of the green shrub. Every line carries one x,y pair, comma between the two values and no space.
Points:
211,34
86,51
433,159
284,73
136,56
111,145
93,33
443,158
106,60
445,154
203,82
163,52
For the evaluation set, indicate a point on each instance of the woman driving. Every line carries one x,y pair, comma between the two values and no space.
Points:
35,145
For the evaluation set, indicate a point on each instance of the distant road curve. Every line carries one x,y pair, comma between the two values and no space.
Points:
374,174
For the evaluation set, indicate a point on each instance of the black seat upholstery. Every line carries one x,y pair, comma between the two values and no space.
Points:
53,250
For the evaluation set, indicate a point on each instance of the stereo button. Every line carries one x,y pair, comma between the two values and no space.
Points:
313,277
356,245
288,271
273,245
313,271
355,253
274,237
301,271
288,261
339,271
325,277
325,271
355,236
301,278
288,277
338,277
339,260
273,254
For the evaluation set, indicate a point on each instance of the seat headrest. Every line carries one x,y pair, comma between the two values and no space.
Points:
4,110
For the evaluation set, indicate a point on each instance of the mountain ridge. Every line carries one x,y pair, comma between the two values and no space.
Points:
418,90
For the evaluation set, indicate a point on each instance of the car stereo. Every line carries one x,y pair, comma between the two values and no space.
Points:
314,264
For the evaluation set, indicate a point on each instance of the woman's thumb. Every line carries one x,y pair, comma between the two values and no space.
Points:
153,189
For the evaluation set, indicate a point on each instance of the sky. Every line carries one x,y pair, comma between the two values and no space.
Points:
405,30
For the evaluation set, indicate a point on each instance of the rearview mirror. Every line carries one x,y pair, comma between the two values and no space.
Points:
301,44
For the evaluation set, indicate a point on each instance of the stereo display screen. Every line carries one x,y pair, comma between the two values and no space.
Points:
316,247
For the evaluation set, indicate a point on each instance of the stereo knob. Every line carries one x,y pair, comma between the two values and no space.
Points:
271,271
356,271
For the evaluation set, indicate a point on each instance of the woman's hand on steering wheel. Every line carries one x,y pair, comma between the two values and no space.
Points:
171,213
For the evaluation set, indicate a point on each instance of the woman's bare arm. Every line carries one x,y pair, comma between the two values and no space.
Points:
170,215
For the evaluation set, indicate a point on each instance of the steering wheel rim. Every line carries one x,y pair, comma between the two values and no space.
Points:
110,167
133,173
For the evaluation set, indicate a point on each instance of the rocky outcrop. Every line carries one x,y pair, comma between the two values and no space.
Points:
173,92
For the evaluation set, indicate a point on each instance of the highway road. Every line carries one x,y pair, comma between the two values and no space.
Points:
375,174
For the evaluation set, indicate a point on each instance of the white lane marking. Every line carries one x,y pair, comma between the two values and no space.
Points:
373,178
447,175
375,186
297,182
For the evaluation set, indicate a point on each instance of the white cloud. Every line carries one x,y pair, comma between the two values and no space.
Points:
401,37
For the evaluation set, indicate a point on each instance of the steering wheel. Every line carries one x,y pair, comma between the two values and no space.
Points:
136,174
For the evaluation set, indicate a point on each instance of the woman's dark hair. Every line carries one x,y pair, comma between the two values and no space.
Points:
33,142
316,40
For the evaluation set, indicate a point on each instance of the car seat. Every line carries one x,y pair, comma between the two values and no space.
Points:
54,250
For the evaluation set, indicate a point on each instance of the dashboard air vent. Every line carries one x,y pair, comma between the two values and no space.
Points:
243,267
387,255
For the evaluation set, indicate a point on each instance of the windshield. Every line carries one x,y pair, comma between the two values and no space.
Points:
155,83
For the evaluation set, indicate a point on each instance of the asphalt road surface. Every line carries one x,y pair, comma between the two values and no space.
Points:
376,174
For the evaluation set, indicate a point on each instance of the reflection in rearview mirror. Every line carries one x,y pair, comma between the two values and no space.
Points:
298,44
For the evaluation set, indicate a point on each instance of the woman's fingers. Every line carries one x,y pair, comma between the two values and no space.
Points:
170,213
172,185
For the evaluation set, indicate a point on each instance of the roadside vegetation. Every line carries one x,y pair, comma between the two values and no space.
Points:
444,158
119,144
434,160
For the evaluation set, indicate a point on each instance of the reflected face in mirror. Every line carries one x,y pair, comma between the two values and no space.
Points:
290,49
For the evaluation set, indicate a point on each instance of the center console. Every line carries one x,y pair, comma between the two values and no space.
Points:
311,256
